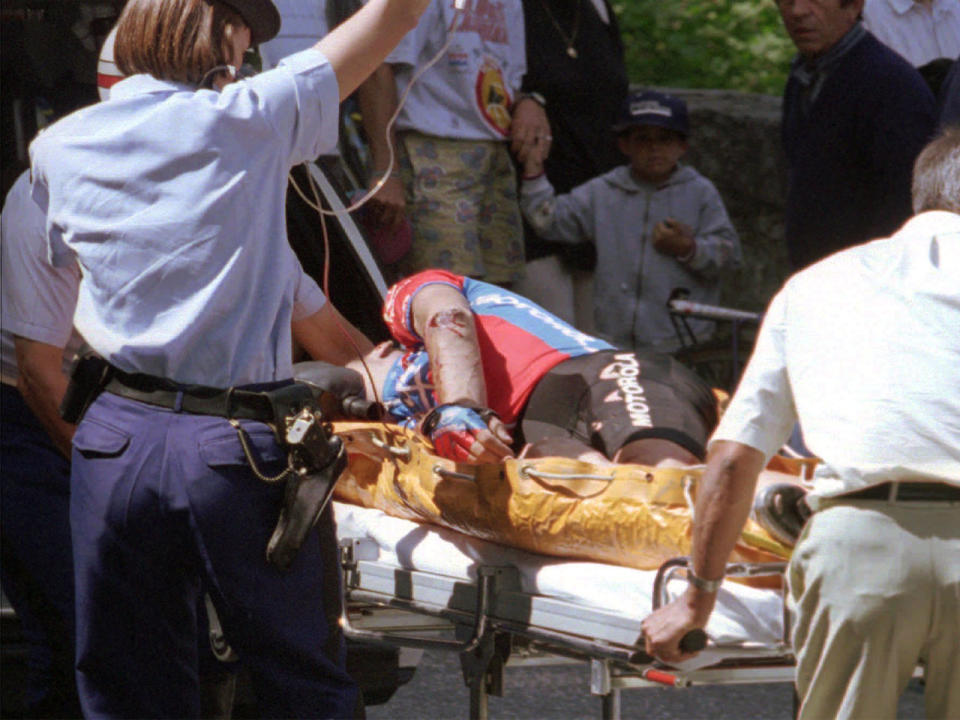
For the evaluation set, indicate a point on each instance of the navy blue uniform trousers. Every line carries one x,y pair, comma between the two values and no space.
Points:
36,564
160,500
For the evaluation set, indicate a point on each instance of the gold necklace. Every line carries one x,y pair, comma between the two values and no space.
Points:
572,38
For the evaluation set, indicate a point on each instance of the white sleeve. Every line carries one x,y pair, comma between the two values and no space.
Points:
301,25
300,99
308,298
38,300
762,412
409,49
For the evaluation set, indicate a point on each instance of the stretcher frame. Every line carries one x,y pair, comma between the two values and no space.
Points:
496,624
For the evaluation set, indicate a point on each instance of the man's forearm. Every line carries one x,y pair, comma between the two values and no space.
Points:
42,384
723,505
361,43
377,97
327,335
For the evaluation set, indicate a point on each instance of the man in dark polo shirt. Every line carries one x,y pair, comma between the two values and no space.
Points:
855,117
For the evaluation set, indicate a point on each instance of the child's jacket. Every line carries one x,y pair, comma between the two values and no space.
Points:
633,281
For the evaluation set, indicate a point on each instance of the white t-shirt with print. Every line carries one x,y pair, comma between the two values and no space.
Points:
302,24
468,93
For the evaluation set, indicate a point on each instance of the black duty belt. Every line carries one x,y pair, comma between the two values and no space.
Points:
909,491
194,399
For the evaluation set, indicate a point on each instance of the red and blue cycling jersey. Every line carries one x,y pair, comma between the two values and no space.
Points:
519,343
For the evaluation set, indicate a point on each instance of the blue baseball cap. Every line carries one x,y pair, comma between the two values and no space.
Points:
654,108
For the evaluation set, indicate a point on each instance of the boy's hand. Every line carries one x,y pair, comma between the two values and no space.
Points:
529,130
674,238
533,165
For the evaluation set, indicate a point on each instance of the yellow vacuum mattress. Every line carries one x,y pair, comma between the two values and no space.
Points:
630,515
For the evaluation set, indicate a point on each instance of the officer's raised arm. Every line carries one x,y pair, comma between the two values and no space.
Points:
357,47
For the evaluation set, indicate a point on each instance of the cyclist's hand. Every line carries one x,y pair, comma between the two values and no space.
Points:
460,433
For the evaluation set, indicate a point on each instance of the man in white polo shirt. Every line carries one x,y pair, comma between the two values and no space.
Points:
863,349
920,30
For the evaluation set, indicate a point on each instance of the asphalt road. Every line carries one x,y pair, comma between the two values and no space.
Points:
437,692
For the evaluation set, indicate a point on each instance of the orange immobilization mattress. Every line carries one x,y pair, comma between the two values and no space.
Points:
629,515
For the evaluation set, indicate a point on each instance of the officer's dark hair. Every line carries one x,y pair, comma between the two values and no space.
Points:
936,174
178,40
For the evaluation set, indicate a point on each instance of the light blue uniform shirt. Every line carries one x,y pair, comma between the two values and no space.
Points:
37,300
172,202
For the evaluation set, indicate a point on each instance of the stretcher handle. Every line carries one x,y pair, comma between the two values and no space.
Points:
679,306
694,641
665,678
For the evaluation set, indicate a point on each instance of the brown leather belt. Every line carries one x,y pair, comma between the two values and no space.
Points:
909,491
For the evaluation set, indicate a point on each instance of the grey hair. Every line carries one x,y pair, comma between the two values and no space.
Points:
936,173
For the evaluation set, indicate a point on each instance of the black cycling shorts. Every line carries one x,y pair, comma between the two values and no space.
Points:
613,397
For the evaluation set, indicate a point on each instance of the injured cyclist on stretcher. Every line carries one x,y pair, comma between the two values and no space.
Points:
487,375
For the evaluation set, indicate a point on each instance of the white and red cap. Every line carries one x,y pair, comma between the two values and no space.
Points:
108,74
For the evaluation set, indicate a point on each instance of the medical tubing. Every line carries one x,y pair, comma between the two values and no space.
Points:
459,7
457,14
326,291
325,281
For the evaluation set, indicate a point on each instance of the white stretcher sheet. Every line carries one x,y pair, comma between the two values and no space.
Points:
744,617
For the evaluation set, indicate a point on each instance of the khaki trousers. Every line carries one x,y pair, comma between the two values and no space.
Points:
874,587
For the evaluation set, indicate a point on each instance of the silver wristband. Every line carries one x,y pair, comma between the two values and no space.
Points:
708,586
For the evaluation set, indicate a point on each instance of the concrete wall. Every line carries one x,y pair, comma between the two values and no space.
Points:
735,141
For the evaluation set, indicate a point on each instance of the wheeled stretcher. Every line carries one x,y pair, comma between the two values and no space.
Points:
412,584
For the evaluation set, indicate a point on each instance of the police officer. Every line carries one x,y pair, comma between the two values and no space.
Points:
36,342
170,196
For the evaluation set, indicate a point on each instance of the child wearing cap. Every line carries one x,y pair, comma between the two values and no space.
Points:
657,226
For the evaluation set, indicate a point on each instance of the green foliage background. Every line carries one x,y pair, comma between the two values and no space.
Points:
724,44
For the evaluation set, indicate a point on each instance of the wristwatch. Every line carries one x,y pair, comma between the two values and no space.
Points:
708,586
535,96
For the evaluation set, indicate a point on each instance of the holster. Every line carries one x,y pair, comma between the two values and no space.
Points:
88,377
305,498
316,459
